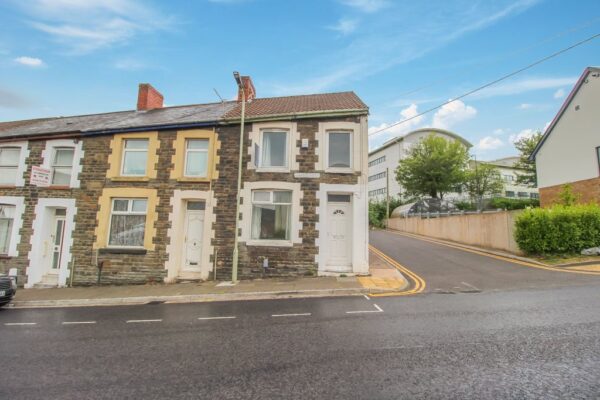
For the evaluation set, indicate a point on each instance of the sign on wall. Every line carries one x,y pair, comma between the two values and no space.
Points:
40,176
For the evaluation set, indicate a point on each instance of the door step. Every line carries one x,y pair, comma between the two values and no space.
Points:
48,281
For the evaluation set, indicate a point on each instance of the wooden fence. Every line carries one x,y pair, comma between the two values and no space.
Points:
493,230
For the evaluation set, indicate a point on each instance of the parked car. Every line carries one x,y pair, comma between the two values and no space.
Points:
8,288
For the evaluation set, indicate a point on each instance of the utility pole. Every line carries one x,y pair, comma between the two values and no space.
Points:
234,261
387,195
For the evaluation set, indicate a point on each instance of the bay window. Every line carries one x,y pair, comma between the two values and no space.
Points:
62,165
9,164
274,149
339,150
7,216
135,157
271,214
196,158
127,222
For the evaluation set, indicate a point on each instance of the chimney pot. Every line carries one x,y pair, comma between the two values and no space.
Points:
249,89
149,98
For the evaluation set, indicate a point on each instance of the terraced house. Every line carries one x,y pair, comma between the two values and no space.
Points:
150,194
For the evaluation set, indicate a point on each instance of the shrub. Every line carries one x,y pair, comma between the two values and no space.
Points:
465,206
558,230
513,204
377,211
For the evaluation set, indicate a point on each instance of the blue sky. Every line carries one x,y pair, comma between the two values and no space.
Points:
67,57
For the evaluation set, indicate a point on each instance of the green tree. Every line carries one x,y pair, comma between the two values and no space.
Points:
482,180
525,146
567,197
434,166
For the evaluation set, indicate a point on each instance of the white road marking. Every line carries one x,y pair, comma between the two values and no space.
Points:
291,315
469,285
366,297
135,321
20,323
207,318
378,310
78,322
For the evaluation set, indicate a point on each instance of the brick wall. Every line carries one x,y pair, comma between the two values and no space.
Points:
588,190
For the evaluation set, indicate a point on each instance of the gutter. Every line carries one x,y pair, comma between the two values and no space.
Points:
298,115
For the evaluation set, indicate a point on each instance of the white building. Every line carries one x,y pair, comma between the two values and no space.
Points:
384,160
508,171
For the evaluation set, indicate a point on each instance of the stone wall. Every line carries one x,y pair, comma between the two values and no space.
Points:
588,191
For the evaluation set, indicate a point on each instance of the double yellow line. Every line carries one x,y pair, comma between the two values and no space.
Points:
418,283
507,259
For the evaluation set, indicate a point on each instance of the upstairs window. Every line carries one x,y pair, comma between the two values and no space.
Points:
62,165
127,222
271,214
7,216
339,149
135,157
196,158
509,193
9,164
274,150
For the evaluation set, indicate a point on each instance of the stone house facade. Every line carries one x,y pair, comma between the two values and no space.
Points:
149,195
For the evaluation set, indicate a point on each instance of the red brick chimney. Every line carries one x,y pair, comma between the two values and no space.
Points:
149,98
249,89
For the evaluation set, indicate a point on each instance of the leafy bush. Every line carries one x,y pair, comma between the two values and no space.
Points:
465,205
558,230
377,211
513,204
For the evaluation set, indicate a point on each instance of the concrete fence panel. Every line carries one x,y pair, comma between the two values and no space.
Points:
491,230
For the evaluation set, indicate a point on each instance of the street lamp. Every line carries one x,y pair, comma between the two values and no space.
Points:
234,262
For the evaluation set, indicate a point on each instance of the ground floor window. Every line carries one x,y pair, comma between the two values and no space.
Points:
127,222
7,216
271,214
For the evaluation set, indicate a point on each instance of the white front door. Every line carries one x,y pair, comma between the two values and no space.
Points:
193,235
339,235
56,240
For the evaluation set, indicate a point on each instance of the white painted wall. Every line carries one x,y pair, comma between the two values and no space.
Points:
569,152
15,236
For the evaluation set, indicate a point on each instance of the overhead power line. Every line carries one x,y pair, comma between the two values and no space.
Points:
502,78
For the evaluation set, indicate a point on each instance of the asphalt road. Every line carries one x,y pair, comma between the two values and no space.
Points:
508,341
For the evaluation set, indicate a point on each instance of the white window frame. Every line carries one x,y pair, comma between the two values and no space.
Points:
256,142
351,151
53,165
128,212
125,151
11,231
271,201
15,236
11,167
261,146
23,154
185,159
48,157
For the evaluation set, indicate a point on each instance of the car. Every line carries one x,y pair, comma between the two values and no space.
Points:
8,288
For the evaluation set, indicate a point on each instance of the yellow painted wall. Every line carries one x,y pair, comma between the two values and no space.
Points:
103,216
116,156
178,158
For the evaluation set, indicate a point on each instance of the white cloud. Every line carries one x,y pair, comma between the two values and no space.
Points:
400,129
344,26
524,85
87,25
524,106
29,61
12,99
368,6
499,131
129,64
489,143
525,133
452,113
559,94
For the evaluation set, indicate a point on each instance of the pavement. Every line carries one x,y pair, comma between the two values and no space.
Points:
383,278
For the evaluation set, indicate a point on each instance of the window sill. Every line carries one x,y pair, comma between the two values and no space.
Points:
270,243
122,250
190,179
339,171
277,170
8,186
59,187
130,178
5,257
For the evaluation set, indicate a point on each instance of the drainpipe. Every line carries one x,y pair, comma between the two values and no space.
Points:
234,264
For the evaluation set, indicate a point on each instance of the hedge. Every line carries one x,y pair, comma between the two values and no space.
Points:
558,230
513,204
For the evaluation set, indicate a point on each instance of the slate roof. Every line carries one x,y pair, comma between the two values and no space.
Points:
290,105
200,114
122,120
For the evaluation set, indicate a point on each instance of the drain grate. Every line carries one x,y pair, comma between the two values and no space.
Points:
154,302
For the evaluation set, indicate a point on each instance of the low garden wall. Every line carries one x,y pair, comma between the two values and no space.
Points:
494,230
